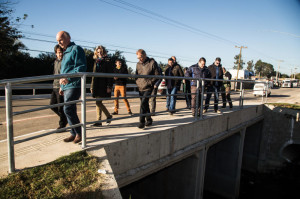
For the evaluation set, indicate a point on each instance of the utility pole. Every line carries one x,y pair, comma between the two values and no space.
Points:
237,74
295,72
278,71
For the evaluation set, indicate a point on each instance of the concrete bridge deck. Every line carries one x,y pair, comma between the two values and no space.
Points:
48,148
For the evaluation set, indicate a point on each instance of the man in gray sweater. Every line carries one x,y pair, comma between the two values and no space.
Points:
145,66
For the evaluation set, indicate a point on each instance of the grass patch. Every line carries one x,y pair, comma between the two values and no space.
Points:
286,105
71,176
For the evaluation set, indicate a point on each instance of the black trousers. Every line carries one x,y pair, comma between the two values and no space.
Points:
56,99
144,107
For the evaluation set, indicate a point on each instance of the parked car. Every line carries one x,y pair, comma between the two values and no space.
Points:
287,84
261,89
162,88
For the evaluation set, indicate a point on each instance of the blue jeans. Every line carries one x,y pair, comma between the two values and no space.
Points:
171,100
71,110
216,91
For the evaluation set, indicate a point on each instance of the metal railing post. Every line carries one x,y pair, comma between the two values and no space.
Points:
243,92
197,100
83,110
9,126
240,101
202,97
267,92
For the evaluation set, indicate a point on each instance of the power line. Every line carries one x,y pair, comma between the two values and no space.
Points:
167,20
126,52
117,46
42,51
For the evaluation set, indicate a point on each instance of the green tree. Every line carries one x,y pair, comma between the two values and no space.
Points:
264,69
250,66
9,42
297,76
236,62
284,75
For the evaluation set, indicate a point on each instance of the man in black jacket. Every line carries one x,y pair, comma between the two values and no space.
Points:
216,73
172,85
198,70
120,86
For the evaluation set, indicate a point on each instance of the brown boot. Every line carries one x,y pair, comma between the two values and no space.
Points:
77,139
69,139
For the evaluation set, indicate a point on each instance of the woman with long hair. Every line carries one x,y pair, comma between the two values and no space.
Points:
101,87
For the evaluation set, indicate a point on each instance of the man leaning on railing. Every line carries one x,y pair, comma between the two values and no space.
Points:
74,61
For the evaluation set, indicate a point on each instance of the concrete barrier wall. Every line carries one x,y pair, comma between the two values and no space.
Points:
280,130
137,157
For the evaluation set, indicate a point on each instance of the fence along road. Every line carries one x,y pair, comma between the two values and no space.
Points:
10,115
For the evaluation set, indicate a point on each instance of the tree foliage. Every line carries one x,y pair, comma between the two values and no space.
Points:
250,66
264,69
236,62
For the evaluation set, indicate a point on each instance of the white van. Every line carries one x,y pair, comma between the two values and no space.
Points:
261,89
287,84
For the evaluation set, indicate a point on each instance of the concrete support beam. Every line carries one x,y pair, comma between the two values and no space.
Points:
223,163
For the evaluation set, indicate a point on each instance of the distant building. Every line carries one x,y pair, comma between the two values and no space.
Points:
243,74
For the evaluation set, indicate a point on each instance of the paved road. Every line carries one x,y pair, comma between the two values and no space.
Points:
46,119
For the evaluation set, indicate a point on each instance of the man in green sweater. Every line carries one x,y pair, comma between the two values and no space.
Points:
74,61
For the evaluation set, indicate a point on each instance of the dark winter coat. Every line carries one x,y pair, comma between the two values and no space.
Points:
148,67
100,84
212,69
174,71
196,72
122,70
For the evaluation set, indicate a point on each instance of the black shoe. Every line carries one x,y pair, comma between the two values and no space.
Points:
149,122
130,113
141,125
97,124
115,113
223,107
60,127
108,122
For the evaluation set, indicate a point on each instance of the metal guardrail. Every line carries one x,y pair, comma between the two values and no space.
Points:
11,84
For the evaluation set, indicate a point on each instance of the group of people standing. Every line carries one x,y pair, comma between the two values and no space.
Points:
214,71
71,59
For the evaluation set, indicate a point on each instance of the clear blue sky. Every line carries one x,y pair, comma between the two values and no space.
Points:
269,28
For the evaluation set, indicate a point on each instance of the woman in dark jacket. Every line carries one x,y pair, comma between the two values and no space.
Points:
101,86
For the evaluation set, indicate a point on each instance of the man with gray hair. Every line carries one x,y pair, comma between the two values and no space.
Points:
74,61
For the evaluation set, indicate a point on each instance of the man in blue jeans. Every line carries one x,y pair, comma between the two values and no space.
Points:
172,85
74,61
